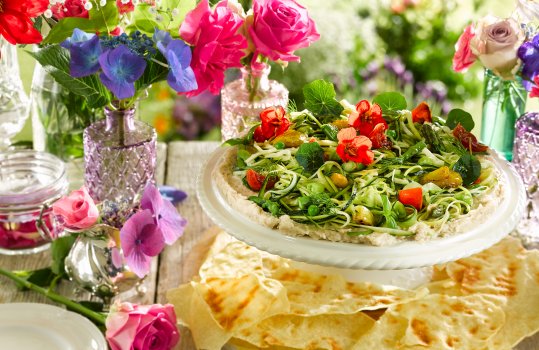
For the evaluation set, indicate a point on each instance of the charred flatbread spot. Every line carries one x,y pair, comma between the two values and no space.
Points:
421,330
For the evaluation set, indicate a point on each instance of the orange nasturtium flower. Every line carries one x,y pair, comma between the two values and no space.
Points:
274,123
421,113
366,118
353,147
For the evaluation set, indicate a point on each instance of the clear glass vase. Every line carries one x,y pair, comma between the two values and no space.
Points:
119,157
13,99
59,117
503,102
526,162
242,100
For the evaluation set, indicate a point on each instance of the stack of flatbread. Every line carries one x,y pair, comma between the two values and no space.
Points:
256,300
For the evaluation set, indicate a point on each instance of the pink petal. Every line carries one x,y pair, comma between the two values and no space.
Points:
191,24
346,134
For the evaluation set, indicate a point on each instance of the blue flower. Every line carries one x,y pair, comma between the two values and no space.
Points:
78,36
162,38
121,68
181,76
529,54
85,57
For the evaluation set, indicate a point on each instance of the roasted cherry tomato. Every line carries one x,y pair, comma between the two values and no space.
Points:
256,180
412,196
468,139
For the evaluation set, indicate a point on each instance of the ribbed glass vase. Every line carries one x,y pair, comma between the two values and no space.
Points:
119,157
242,100
503,102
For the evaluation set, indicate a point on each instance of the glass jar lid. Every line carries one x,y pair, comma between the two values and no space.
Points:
29,179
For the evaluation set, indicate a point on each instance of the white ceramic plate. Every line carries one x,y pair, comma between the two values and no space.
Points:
404,255
32,326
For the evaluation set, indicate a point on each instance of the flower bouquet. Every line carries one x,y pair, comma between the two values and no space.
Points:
507,50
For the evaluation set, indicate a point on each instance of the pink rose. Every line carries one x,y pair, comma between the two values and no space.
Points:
464,56
218,45
496,43
77,210
142,327
70,8
280,27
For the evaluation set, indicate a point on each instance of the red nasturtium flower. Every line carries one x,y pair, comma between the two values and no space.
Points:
468,139
353,147
378,136
274,123
15,20
421,113
366,118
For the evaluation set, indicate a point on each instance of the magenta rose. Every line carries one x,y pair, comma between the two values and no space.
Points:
70,8
77,210
218,43
464,56
142,327
280,27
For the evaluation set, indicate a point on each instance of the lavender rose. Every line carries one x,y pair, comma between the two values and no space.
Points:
279,27
496,43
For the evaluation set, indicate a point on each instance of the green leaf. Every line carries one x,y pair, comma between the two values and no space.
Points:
310,156
60,248
153,73
144,20
457,116
390,101
469,168
96,306
331,131
55,60
42,277
101,19
183,7
320,98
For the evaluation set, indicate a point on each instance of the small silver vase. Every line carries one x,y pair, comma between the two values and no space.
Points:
96,263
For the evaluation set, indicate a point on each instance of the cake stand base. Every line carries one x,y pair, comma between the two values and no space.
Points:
407,278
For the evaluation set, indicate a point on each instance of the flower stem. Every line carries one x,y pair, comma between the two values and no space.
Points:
94,316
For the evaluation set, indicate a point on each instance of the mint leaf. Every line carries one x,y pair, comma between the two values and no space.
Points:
320,98
390,101
101,19
457,116
310,156
469,168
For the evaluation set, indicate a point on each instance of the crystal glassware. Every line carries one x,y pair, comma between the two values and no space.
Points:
30,182
503,102
13,99
120,158
526,161
242,100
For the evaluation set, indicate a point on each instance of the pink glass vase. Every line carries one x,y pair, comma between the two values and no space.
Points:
119,157
242,100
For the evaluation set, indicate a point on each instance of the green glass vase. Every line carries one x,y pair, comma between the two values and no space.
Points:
503,102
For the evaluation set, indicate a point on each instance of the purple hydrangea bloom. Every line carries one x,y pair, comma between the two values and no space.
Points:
165,214
121,68
162,38
181,76
85,57
529,54
78,36
141,239
172,194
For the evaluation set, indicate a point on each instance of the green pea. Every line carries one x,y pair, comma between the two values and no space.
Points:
349,166
303,202
279,145
313,210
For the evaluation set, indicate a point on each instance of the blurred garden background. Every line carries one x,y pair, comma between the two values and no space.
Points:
366,47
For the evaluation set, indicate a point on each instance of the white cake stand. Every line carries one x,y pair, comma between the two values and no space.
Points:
405,264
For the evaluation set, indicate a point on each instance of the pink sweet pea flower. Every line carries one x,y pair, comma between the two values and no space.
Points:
535,89
141,239
142,327
70,8
218,45
77,210
464,56
280,27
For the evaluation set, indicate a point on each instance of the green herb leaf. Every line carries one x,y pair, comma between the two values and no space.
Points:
331,131
457,116
310,156
320,98
469,168
390,101
60,248
101,19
